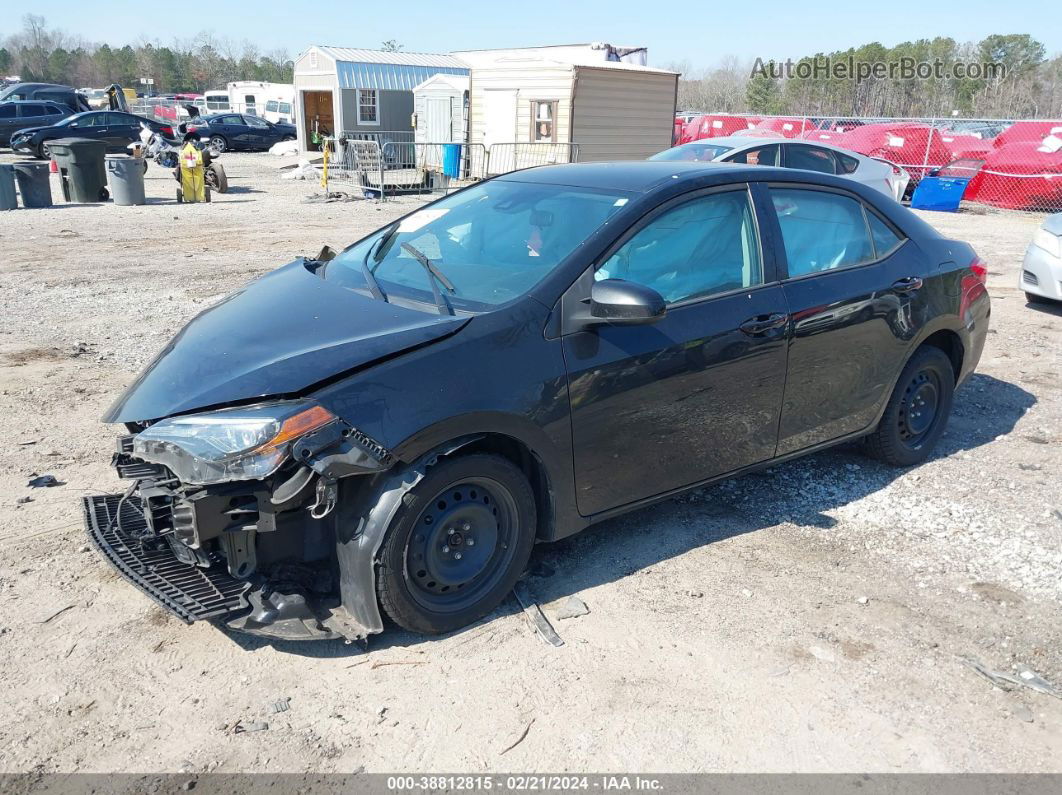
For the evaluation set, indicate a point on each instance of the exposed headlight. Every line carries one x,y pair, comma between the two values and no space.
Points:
231,444
1052,244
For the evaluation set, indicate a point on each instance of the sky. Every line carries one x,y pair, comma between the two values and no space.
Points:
694,31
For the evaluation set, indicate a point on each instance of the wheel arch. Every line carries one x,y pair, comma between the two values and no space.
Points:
948,341
524,444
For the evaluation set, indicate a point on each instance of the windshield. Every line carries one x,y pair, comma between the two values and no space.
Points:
492,242
692,152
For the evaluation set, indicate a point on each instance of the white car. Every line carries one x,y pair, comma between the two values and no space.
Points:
882,175
1041,272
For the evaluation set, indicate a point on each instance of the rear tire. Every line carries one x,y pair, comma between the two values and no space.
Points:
457,544
218,143
917,412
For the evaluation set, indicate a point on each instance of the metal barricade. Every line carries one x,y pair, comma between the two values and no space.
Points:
506,157
418,168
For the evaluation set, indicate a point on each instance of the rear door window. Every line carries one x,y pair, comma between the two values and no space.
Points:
767,155
821,231
33,110
885,239
7,111
846,163
810,158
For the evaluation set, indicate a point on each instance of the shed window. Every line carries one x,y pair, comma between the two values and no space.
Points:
368,106
543,115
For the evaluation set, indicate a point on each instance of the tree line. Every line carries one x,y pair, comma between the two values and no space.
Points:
1029,85
38,53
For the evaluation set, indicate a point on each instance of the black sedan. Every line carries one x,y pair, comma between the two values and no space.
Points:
387,432
118,129
240,131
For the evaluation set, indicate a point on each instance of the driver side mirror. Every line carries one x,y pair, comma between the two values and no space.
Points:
619,302
75,124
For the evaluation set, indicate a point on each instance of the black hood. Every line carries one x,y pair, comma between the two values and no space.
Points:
277,336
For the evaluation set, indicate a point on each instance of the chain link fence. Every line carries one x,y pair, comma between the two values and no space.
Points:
1008,164
387,164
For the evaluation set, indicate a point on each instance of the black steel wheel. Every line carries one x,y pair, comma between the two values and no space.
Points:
457,545
918,410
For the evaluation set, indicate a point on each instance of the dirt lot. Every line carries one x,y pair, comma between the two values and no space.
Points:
809,618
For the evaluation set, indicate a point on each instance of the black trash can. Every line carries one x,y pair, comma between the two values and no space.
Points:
33,184
82,168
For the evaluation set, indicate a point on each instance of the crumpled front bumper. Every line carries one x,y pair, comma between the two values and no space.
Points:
190,592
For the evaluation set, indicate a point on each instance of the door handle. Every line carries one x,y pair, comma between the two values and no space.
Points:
761,324
907,285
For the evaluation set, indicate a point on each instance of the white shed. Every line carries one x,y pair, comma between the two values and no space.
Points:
440,105
612,109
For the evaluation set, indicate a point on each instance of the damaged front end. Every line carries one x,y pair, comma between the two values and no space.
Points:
244,515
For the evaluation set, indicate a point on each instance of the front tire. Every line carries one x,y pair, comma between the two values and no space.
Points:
43,152
457,544
917,413
218,143
1033,298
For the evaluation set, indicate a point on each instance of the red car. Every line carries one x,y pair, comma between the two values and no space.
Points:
916,147
1016,176
783,127
715,125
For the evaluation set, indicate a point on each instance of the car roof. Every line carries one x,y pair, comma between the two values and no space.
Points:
32,102
744,141
638,176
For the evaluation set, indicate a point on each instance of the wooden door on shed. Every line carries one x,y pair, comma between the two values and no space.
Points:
499,129
319,115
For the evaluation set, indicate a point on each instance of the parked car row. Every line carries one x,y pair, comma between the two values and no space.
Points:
1013,166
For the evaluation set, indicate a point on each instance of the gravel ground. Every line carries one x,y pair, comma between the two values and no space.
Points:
812,617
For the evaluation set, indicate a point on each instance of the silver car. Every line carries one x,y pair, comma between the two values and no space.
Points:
1041,271
882,175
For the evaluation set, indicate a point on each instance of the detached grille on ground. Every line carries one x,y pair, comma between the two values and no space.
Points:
190,592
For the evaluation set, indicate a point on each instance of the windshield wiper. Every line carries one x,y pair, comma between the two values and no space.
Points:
434,274
370,278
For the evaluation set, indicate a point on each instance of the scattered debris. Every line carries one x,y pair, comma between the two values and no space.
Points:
280,705
254,726
520,739
26,442
57,613
819,653
1022,713
534,614
82,349
23,500
572,607
382,663
1030,467
863,600
331,196
1006,681
695,594
44,481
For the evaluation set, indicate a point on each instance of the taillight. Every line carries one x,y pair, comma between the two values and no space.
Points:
167,131
980,269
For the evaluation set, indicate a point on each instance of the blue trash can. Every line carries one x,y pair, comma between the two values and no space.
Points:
939,193
452,160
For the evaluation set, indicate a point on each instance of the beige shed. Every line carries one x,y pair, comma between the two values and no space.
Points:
568,95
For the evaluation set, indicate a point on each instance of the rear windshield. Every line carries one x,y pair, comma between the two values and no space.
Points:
693,152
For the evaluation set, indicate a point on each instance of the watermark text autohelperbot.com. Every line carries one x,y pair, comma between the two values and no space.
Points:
905,68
